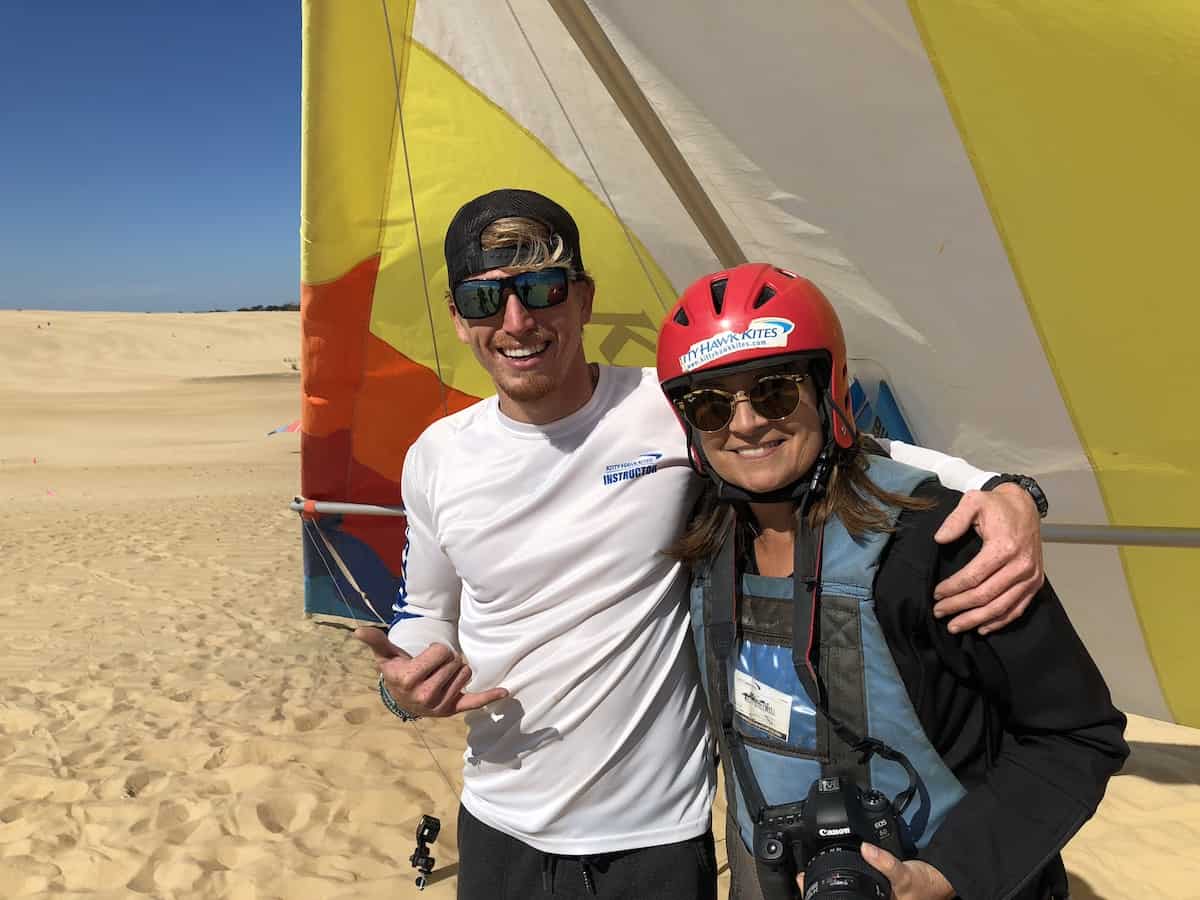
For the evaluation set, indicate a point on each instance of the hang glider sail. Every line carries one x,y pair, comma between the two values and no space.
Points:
998,198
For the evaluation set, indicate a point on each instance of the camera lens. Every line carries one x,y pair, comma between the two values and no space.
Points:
840,873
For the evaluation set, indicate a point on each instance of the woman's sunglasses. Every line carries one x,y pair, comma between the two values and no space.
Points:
773,397
484,297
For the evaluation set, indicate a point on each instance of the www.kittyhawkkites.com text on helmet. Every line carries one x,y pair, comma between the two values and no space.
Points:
755,314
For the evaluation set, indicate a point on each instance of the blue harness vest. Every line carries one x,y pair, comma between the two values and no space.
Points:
863,688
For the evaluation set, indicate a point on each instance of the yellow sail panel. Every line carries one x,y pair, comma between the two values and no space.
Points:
394,141
1084,129
349,110
458,144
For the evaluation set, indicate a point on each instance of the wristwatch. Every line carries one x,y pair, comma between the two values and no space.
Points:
1027,484
393,707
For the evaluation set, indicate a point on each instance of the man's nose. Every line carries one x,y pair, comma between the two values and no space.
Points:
517,319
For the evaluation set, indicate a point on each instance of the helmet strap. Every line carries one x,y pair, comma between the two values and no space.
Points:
695,454
828,403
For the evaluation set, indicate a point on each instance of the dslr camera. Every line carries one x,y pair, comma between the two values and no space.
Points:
821,836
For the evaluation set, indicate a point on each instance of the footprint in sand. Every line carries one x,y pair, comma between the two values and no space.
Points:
216,760
136,783
170,815
308,721
275,814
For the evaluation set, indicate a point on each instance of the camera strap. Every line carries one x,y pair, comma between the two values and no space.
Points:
806,605
720,625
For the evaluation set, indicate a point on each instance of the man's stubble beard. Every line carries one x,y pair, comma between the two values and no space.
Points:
527,388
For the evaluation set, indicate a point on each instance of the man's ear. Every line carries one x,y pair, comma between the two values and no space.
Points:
461,329
587,292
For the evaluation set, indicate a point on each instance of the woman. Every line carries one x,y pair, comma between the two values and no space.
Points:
814,566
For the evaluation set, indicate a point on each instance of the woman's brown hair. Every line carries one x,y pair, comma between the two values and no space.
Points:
850,495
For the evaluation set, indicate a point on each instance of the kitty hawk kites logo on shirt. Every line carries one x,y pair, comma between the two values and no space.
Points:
761,333
645,464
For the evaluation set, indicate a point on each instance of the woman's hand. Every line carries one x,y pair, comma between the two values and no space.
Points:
996,587
912,880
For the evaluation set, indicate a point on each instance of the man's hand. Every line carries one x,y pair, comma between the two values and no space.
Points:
430,684
996,587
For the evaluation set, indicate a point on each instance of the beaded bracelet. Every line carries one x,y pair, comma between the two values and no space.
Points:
393,707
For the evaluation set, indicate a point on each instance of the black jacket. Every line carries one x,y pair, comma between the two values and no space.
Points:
1022,717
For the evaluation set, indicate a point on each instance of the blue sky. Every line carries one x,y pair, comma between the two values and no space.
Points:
149,154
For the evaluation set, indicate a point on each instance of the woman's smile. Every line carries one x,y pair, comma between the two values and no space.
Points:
759,451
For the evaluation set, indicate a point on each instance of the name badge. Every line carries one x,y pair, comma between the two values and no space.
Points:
761,705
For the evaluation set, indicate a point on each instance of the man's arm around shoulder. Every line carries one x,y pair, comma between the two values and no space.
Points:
996,587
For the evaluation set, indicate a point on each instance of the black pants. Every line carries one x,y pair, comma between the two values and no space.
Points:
494,866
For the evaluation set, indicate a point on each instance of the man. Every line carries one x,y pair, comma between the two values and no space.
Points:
534,576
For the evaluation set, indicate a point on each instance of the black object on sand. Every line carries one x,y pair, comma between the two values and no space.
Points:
427,832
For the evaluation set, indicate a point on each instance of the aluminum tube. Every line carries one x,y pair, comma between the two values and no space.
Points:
1120,536
1057,533
328,507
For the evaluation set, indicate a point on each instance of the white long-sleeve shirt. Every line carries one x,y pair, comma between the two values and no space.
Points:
535,551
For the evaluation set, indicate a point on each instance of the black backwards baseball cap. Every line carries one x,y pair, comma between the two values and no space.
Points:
465,255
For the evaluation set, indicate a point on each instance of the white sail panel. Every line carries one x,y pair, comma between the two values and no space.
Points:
846,135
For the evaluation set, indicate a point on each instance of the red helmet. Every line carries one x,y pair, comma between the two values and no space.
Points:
755,313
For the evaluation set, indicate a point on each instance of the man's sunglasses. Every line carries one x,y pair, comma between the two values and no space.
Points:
773,397
484,297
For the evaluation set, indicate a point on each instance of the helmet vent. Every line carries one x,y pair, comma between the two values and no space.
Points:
785,273
718,294
766,294
681,317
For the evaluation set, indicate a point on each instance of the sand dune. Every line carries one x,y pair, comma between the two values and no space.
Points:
170,724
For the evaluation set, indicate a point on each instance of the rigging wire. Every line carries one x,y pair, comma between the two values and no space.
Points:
416,725
633,245
412,199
